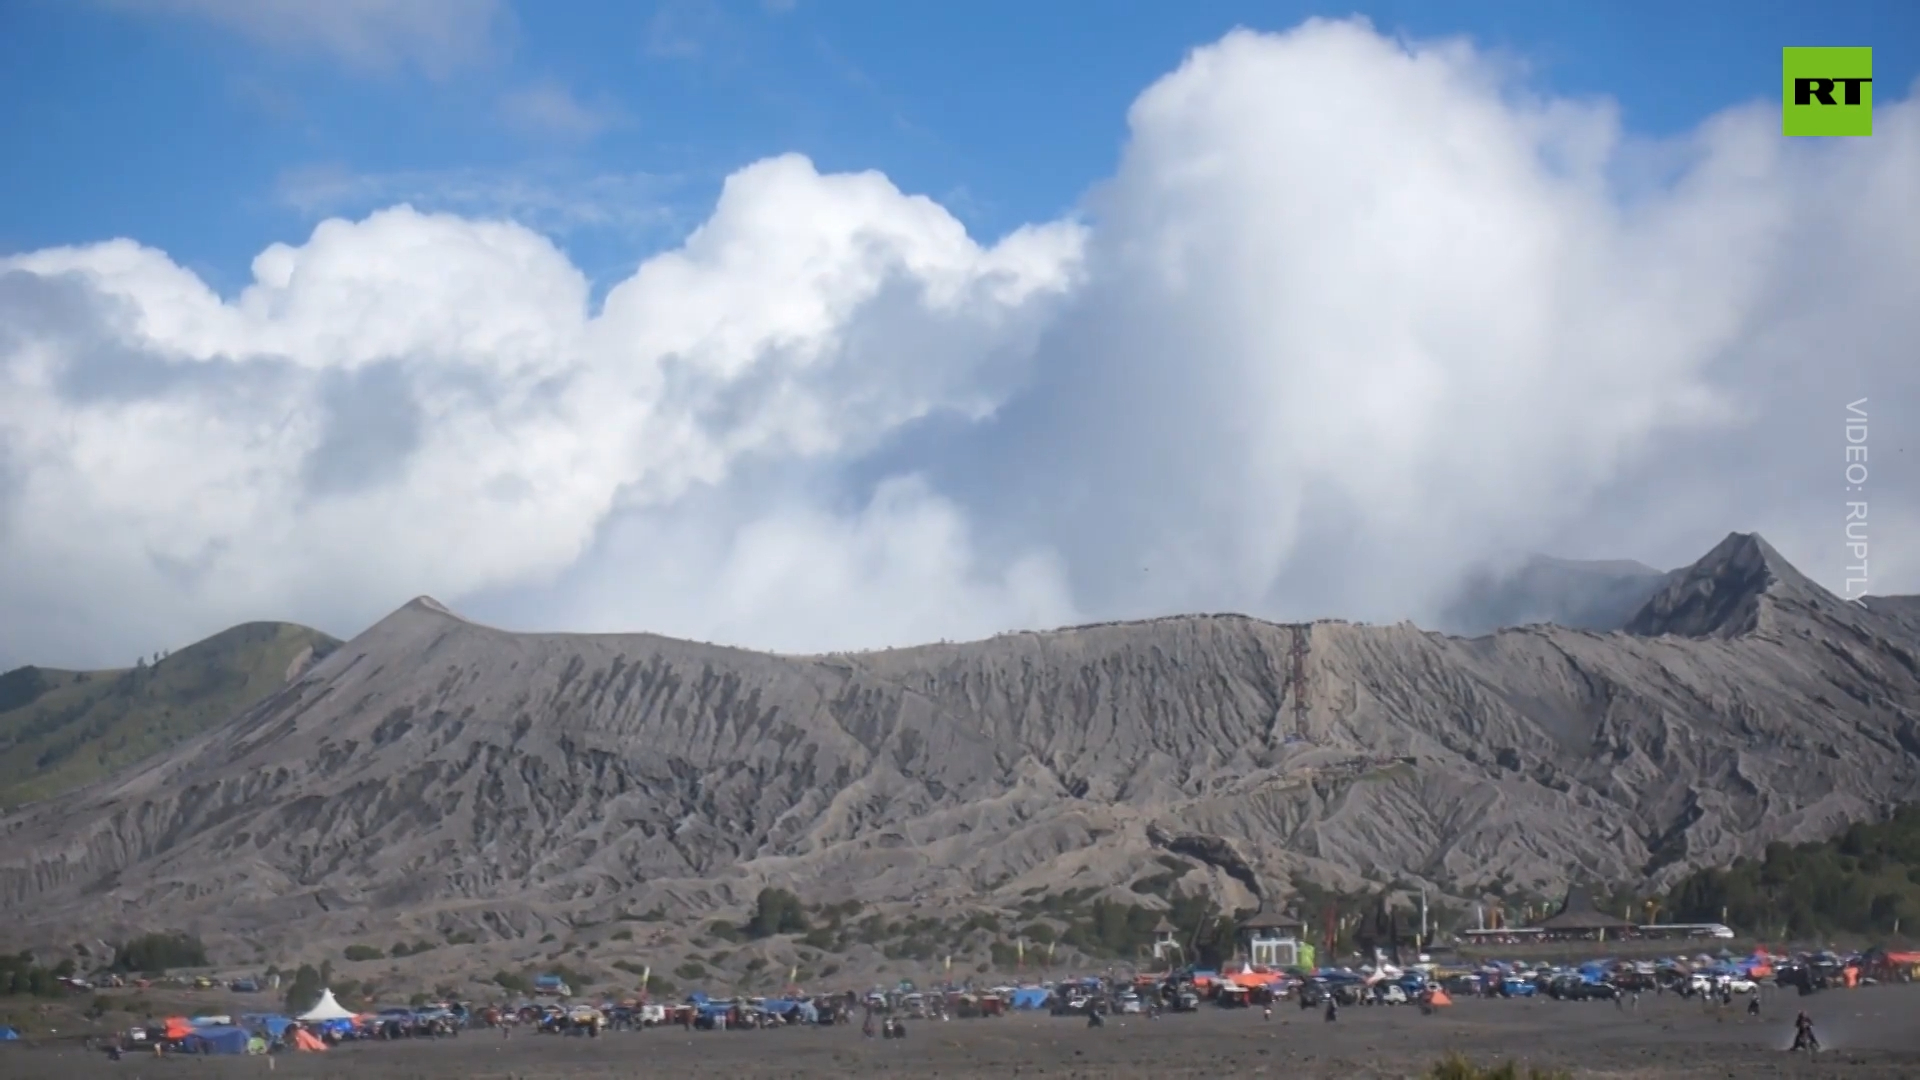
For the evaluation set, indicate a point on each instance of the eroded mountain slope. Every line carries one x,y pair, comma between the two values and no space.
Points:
436,772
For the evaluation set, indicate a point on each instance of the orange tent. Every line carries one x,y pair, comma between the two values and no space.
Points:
305,1040
1438,998
178,1028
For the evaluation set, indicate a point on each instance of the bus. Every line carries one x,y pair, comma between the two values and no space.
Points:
1717,931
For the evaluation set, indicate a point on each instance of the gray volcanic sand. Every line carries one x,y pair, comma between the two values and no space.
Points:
1869,1033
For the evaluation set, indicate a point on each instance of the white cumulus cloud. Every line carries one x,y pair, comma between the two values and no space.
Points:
1351,317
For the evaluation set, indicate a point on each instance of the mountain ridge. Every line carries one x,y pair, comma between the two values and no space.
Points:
1734,589
60,729
439,775
1574,593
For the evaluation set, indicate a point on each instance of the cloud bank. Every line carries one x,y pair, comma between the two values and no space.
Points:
1294,359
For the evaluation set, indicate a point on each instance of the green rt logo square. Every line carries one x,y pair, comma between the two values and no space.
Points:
1827,92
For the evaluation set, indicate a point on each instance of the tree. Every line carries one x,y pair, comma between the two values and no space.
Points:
777,911
1202,928
304,992
155,953
1858,882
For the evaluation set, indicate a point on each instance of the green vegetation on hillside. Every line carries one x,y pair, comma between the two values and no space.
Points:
155,954
777,911
1864,881
20,976
60,730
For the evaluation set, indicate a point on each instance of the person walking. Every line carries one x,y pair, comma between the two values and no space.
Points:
1803,1036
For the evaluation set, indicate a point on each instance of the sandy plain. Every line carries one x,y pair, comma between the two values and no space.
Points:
1869,1033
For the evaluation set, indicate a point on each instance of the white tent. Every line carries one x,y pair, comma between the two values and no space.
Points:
326,1009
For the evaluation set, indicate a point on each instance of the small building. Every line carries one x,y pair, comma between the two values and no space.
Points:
1271,939
1164,945
1579,917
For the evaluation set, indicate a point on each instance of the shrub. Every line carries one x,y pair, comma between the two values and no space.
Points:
1456,1067
777,911
155,953
359,953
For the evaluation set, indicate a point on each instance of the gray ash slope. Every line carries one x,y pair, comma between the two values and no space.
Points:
433,772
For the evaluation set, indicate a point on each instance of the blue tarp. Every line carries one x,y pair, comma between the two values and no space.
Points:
217,1040
1031,997
270,1023
7,1034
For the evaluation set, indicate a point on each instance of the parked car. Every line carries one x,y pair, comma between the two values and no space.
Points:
1591,991
1518,988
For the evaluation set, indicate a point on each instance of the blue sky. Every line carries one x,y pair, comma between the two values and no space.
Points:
210,142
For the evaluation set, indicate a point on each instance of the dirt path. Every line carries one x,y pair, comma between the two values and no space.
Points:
1870,1033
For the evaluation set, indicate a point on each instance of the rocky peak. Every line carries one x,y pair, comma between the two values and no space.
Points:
1725,594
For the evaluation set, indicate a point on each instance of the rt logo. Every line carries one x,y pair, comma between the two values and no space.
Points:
1827,92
